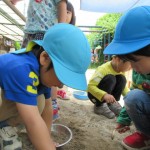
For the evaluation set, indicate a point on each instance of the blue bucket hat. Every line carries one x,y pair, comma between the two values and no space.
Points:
132,32
69,51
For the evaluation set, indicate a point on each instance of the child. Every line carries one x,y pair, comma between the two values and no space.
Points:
71,18
61,93
49,62
41,15
96,51
132,42
106,86
92,56
139,81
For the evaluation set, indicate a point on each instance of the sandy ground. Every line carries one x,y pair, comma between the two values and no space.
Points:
90,131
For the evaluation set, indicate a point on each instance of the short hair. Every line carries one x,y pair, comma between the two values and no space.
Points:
37,50
71,9
145,51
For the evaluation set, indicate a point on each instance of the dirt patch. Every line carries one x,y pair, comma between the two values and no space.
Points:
90,131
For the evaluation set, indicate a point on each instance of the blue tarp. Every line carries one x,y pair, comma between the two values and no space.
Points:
111,6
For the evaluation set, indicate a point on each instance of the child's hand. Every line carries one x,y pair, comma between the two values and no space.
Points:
14,2
122,128
109,98
56,144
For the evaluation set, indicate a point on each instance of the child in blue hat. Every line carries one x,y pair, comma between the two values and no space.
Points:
132,43
27,72
41,15
139,81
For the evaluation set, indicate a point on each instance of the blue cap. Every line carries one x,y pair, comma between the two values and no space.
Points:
132,32
69,51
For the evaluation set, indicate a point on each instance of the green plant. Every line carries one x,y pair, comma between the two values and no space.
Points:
17,45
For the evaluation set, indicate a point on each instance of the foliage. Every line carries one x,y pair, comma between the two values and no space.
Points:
17,45
103,37
107,24
91,38
94,65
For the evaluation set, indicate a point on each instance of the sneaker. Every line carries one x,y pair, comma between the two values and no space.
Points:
62,94
55,110
9,139
115,108
104,110
136,141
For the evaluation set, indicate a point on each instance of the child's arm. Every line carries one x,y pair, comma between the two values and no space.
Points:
125,91
47,113
62,11
36,127
123,121
14,2
123,117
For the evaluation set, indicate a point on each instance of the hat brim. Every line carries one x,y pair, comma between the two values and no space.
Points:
121,48
32,43
72,79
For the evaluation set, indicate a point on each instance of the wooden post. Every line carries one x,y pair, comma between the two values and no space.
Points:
15,10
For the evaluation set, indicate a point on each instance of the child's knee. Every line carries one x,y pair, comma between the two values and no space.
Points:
133,96
133,99
109,79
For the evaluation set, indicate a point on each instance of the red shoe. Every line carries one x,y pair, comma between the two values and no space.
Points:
136,141
62,94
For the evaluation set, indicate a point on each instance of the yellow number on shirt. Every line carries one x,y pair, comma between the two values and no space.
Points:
32,89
